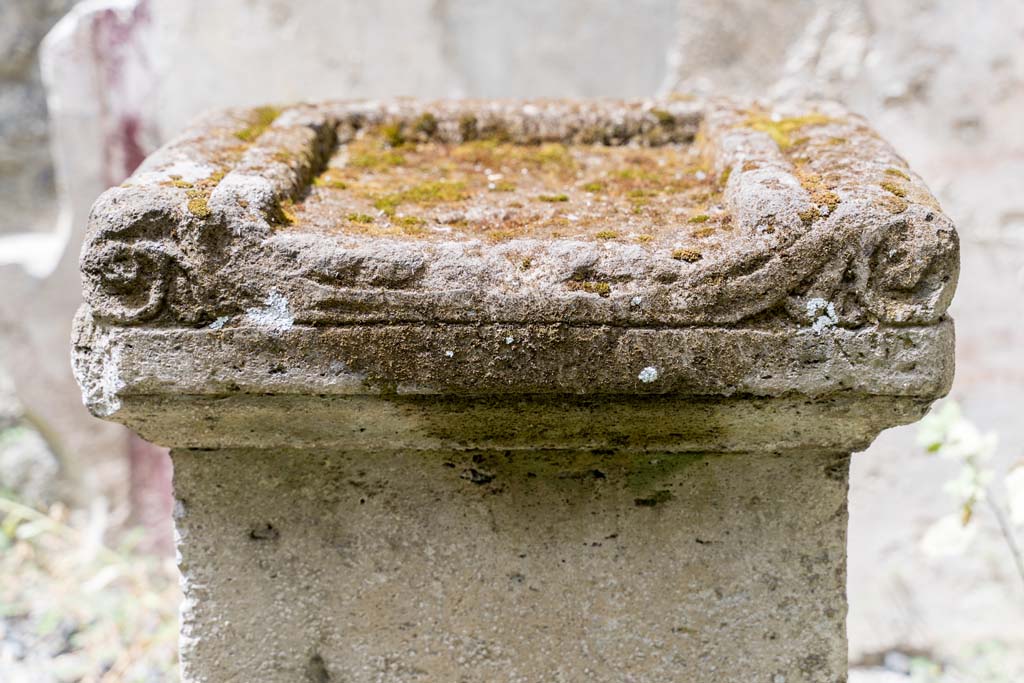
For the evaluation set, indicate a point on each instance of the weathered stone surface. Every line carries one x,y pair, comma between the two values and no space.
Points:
497,566
451,313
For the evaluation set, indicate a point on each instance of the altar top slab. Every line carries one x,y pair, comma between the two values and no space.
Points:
669,213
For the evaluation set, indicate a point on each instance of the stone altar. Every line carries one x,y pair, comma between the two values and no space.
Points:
493,391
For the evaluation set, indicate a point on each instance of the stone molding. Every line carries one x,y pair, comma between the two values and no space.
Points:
883,254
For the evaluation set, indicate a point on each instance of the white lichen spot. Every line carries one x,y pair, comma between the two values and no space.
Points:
275,316
510,340
449,354
648,374
219,322
700,175
636,301
822,313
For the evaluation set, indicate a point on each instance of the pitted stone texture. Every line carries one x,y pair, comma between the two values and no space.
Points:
488,566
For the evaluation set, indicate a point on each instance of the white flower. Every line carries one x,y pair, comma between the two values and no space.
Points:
935,425
964,441
970,484
1015,492
948,536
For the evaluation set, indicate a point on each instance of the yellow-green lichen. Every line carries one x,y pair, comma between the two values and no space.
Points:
643,175
198,193
807,216
197,205
360,217
285,214
493,153
554,154
602,289
386,182
392,134
897,172
664,118
894,204
688,255
374,159
426,124
700,218
428,193
703,232
820,193
500,235
263,117
781,130
892,187
467,127
330,179
410,225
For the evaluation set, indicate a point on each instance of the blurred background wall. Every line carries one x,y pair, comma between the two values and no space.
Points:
943,80
27,193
